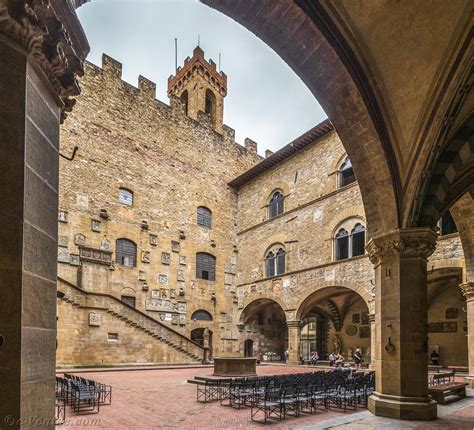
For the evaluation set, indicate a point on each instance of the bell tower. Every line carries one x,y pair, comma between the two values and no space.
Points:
201,88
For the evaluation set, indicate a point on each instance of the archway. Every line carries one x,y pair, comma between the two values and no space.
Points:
334,319
285,23
263,327
248,348
447,318
202,336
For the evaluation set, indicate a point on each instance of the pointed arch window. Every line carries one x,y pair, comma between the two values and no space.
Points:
342,244
275,263
358,240
276,205
349,240
346,173
125,252
270,264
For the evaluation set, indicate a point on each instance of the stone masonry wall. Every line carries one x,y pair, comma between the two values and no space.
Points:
173,164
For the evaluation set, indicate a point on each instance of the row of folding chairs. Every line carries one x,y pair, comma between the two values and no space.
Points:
104,391
85,396
279,402
240,392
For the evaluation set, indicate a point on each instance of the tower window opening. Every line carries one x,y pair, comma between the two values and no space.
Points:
184,99
211,105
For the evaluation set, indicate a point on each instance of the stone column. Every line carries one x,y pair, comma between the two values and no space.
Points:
372,341
294,342
401,359
468,291
37,76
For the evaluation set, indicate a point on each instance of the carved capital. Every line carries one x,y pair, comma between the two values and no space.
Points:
468,290
294,324
50,32
402,243
240,327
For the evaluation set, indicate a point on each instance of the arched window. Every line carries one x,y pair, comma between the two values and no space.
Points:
358,240
184,100
125,252
447,224
270,264
204,217
346,173
126,197
276,205
275,261
349,240
201,315
211,105
342,244
205,266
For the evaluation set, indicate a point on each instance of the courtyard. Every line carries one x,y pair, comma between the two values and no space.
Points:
162,399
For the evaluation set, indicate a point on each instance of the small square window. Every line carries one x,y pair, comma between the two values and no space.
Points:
126,197
113,337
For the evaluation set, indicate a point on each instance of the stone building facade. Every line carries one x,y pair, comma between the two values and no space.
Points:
176,243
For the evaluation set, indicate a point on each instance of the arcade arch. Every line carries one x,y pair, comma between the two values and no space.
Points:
334,319
263,330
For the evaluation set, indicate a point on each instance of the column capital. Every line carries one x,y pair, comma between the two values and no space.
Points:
52,35
296,323
402,243
467,289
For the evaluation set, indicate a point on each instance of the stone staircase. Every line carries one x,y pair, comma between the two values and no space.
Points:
135,318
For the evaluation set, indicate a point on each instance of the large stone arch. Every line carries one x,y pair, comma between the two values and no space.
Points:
463,214
301,38
252,305
326,291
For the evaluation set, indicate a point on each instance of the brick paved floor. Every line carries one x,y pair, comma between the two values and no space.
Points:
162,399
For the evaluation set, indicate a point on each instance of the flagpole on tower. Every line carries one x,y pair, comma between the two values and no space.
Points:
175,53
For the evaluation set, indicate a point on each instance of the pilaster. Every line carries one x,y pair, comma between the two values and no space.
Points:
294,342
372,341
467,289
41,50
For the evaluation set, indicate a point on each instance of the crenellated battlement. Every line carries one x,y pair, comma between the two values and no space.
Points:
111,73
198,65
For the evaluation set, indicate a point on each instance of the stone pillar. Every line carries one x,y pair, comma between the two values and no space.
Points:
372,341
294,342
401,359
468,291
207,346
37,75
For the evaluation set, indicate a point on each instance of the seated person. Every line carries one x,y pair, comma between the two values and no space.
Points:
314,357
332,359
434,357
339,359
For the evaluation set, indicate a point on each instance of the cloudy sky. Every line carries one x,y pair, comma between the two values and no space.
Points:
266,101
